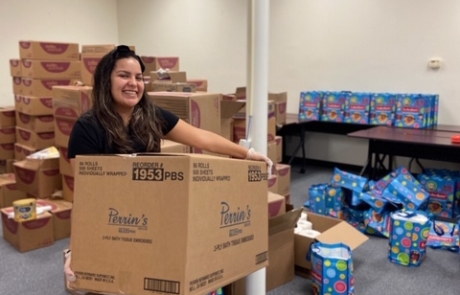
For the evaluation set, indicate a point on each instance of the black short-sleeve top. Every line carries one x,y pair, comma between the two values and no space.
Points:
89,137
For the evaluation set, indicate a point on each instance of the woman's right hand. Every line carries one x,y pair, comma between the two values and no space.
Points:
69,274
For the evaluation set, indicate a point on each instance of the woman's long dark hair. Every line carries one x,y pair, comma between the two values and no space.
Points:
145,123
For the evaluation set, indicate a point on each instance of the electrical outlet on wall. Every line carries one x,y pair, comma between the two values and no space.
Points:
434,63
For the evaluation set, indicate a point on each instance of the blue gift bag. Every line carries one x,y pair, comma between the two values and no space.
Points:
332,268
409,231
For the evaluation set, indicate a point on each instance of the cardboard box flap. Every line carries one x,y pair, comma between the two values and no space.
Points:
7,178
343,233
28,164
229,108
283,222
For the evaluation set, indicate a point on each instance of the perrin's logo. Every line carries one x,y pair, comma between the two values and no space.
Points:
115,218
231,217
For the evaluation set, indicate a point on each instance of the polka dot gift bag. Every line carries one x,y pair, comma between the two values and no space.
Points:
409,231
332,269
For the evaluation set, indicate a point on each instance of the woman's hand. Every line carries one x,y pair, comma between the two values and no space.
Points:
256,156
69,274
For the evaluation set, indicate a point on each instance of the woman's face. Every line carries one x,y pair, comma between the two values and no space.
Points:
127,83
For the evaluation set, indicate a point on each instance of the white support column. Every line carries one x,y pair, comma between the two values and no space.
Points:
257,98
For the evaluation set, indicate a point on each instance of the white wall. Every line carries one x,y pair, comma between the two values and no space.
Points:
209,36
357,45
83,22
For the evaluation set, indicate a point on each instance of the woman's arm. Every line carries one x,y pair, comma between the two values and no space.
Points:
188,135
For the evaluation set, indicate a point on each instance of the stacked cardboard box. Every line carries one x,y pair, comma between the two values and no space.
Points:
90,57
69,102
7,138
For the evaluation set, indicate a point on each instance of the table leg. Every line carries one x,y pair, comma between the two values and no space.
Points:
300,145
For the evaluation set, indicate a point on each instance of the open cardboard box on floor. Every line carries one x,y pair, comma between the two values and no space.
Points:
332,230
160,223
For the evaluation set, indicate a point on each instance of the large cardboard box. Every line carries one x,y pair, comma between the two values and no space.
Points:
35,123
168,146
34,106
22,151
276,205
62,130
36,140
15,67
41,87
228,110
6,151
332,230
6,166
51,69
154,63
200,109
70,102
167,223
28,235
17,85
279,149
7,135
48,50
64,162
239,120
200,84
280,251
61,212
283,171
280,100
38,177
9,191
7,116
67,187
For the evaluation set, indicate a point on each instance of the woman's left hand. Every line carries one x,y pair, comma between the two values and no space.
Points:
256,156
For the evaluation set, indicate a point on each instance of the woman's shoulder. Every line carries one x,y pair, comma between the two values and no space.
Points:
89,120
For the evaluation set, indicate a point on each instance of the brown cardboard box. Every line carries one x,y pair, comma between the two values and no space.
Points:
64,162
279,149
168,146
61,211
62,130
6,151
69,102
17,85
6,166
280,251
200,84
34,106
273,183
7,116
202,231
228,110
15,67
41,87
276,205
284,178
9,191
154,63
200,109
159,85
36,140
28,235
280,100
168,78
48,50
239,121
51,69
7,135
38,177
271,151
67,187
22,151
35,123
332,231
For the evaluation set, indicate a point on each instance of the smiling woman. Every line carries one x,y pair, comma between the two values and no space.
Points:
124,120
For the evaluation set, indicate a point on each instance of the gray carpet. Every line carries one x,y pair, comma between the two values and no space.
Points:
39,272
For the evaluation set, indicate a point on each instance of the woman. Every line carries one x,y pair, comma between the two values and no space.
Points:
124,120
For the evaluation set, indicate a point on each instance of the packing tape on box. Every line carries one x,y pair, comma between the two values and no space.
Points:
309,233
304,224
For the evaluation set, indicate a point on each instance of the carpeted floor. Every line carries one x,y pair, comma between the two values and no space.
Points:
39,272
